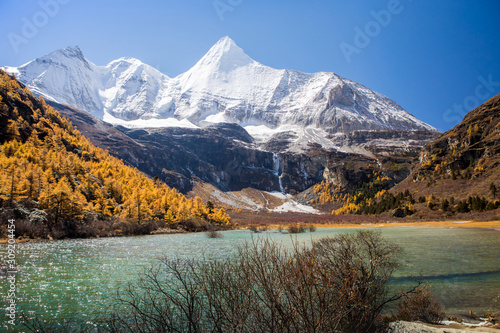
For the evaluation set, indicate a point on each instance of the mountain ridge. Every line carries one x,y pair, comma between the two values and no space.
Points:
225,85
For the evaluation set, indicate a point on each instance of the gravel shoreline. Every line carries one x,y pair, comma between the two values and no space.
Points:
417,327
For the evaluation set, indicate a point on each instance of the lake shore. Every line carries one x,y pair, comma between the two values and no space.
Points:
418,327
132,252
437,224
427,224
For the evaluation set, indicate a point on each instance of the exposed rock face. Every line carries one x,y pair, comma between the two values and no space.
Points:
383,142
219,154
222,154
301,171
226,156
476,137
147,159
464,161
347,170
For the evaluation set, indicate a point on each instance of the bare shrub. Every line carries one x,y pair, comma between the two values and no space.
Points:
363,262
94,227
29,229
420,305
195,224
212,233
130,227
296,228
58,231
337,285
254,229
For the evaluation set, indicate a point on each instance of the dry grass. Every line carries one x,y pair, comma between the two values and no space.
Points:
440,224
263,220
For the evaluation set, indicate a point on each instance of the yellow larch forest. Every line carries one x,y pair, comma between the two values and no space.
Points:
45,159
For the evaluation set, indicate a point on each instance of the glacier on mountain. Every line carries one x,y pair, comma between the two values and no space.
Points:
225,85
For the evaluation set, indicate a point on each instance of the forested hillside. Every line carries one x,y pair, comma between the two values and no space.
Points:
59,184
457,173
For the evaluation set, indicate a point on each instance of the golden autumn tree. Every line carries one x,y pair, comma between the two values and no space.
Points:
44,158
220,216
62,202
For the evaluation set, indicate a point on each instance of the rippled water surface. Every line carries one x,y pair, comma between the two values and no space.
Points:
78,278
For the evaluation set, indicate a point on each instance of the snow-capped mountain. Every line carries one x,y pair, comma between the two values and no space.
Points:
226,85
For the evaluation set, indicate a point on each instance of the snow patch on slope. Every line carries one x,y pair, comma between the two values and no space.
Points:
149,123
290,205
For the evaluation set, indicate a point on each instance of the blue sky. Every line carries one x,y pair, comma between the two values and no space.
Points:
434,58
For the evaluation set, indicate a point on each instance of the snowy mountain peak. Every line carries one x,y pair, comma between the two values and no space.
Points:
134,64
71,51
224,56
128,60
64,56
225,85
225,40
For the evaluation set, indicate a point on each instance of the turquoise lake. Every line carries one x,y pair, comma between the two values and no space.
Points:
77,279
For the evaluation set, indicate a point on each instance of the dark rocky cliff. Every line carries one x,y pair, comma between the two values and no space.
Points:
226,156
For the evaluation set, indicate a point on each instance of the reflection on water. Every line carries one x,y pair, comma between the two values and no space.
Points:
64,279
